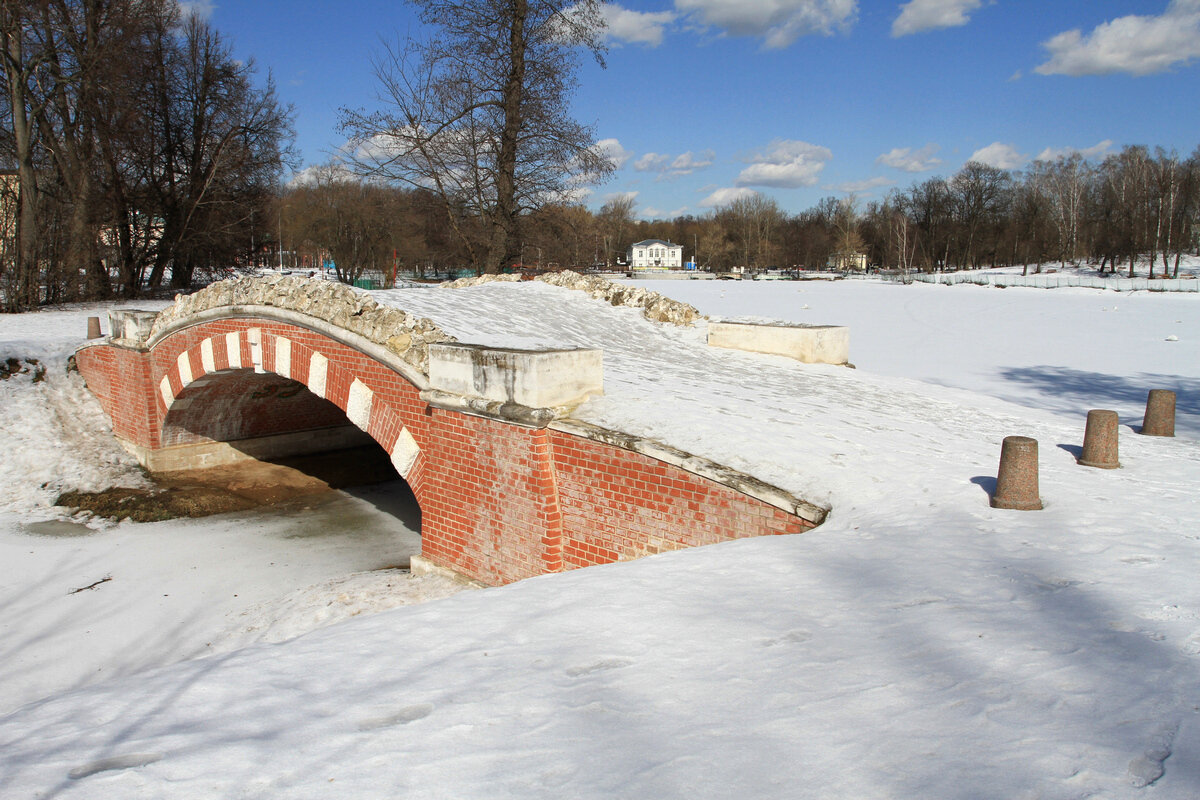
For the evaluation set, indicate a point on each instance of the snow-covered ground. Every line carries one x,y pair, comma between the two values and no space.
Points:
918,645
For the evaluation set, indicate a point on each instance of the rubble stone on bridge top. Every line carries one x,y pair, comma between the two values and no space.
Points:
402,333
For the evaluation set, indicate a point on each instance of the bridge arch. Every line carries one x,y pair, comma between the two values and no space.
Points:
213,371
509,485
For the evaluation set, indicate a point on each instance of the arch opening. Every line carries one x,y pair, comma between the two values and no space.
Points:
273,441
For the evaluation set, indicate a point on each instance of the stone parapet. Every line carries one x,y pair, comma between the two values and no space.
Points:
531,378
811,344
130,327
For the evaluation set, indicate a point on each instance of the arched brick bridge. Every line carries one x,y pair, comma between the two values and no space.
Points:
509,486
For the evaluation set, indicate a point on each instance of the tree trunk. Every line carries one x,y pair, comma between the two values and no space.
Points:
505,247
26,294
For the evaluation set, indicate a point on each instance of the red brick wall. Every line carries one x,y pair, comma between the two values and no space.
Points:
618,505
120,379
499,502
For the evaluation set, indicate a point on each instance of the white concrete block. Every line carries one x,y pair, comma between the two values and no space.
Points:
283,356
812,344
405,453
358,405
185,369
131,325
233,350
317,370
533,378
207,358
164,388
254,335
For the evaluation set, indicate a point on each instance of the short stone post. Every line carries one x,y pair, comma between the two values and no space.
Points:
1160,413
94,328
1100,440
1017,480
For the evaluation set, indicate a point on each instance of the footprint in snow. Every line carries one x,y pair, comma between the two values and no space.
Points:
127,761
599,666
791,637
1149,766
402,717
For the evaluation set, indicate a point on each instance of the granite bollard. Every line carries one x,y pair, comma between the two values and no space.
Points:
1160,413
1100,440
1017,479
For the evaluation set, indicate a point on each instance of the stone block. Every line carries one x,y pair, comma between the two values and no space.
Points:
811,344
130,326
532,378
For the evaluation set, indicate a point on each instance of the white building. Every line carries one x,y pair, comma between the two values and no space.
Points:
655,254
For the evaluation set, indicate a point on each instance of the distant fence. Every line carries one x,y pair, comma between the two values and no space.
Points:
1058,281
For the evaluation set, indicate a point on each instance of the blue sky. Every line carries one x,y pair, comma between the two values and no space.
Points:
703,100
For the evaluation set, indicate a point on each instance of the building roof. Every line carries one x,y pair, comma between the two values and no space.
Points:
648,242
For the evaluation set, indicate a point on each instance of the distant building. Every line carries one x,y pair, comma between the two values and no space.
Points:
655,254
848,262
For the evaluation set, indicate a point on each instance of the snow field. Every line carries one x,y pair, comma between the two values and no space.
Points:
918,644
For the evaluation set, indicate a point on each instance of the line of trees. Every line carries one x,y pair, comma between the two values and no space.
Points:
137,151
1135,210
1134,205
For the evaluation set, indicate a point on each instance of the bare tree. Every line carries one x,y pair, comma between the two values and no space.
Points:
221,148
616,220
21,74
753,223
980,192
477,113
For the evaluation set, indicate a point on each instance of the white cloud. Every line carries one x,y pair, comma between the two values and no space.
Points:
778,22
688,162
861,187
636,27
727,195
927,15
613,151
202,9
909,160
1138,45
999,155
620,196
649,212
785,164
1098,149
652,162
668,167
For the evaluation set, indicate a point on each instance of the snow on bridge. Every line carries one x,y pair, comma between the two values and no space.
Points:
510,481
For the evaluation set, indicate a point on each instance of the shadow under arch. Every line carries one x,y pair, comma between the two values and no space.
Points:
236,397
239,416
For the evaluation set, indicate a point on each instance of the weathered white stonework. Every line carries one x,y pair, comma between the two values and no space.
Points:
530,378
358,405
283,356
318,367
405,452
233,350
403,334
207,356
811,344
185,369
